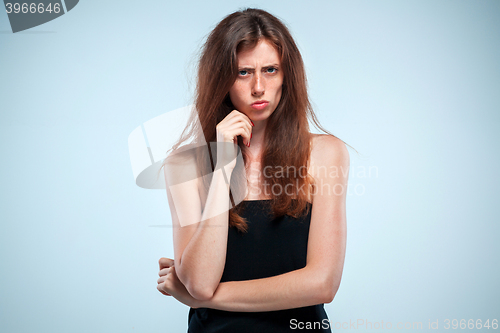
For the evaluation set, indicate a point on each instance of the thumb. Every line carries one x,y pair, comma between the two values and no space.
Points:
165,262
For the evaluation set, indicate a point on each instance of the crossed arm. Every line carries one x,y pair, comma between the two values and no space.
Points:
319,280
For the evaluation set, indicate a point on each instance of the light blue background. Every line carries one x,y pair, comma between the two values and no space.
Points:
412,85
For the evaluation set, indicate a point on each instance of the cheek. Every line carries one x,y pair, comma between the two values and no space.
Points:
231,95
277,84
278,90
235,93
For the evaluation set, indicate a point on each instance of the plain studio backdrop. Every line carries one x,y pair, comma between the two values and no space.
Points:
412,85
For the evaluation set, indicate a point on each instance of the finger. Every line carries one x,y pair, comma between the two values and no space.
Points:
230,117
245,117
235,120
238,116
164,271
241,130
233,117
250,122
227,124
248,129
247,134
159,287
164,274
166,262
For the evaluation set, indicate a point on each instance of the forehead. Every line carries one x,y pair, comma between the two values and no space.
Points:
264,53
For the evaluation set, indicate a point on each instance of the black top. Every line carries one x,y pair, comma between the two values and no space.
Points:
272,246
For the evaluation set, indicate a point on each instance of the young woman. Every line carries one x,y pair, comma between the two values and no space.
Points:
267,263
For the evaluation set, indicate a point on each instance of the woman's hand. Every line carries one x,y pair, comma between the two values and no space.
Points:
170,285
234,124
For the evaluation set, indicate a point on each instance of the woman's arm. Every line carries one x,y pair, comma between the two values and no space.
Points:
199,233
200,230
319,280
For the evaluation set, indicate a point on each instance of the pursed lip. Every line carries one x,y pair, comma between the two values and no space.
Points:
260,102
260,105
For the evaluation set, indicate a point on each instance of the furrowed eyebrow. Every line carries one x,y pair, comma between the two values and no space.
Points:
252,69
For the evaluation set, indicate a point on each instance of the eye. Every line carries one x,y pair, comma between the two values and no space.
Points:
272,70
243,72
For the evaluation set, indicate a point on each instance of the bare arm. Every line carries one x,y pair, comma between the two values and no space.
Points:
200,242
319,281
200,230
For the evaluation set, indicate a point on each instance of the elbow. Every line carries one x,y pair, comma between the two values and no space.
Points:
199,287
200,292
330,295
328,290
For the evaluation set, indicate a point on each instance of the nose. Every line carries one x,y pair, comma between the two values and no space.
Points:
258,85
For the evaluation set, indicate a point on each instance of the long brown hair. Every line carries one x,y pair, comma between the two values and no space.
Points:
287,139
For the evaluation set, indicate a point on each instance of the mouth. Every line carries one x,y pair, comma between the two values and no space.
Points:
259,105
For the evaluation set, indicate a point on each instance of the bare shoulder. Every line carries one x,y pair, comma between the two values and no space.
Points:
184,155
328,150
181,166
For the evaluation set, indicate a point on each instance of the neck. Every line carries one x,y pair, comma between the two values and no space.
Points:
257,141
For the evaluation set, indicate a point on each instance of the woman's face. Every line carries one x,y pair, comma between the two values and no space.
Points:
257,89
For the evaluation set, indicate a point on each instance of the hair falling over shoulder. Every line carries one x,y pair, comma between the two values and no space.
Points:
287,141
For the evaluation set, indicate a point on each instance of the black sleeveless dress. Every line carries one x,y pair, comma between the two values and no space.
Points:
272,246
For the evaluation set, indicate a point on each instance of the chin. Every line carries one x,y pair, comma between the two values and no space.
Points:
260,115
